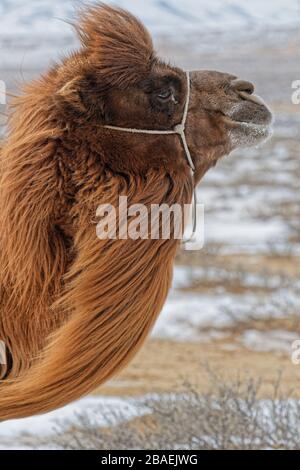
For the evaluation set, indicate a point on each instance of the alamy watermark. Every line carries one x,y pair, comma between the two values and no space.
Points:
155,221
296,93
3,359
295,356
2,92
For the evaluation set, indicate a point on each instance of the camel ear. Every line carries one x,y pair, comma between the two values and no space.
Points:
70,94
82,95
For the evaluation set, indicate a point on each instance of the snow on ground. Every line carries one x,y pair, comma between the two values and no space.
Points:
41,432
245,195
202,317
273,340
103,411
252,206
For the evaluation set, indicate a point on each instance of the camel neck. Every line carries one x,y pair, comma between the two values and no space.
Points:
179,129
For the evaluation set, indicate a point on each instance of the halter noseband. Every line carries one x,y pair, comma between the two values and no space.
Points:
179,129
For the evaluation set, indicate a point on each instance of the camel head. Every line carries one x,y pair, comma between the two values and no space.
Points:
117,79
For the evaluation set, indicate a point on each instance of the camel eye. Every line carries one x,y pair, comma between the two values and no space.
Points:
164,95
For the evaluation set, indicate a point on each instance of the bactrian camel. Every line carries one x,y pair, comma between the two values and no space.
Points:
75,308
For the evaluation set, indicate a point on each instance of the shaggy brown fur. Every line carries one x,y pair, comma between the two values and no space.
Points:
75,309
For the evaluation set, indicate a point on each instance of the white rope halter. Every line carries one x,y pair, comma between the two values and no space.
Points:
179,129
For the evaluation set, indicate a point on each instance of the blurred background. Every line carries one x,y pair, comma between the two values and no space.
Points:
235,305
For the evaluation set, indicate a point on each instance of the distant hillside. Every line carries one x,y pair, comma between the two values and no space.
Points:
33,32
164,16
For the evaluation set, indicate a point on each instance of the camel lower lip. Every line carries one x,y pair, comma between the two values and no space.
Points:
252,127
247,134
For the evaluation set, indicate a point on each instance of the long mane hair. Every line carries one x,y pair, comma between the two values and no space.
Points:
75,309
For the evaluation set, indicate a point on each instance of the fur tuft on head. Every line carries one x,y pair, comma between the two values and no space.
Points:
120,45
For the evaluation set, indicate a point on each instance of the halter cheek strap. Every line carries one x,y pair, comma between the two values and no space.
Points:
179,129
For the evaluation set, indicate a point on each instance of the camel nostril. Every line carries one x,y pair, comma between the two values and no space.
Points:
243,85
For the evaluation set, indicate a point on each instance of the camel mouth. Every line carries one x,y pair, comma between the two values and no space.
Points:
248,134
250,123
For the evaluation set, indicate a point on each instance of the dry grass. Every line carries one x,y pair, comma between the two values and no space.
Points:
230,416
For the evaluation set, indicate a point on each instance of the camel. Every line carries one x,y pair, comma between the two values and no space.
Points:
74,308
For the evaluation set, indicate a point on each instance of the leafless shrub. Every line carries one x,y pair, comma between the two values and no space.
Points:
276,313
230,416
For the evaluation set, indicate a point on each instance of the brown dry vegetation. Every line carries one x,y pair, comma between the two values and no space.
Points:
230,415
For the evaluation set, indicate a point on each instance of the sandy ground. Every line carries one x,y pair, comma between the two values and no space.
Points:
164,366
